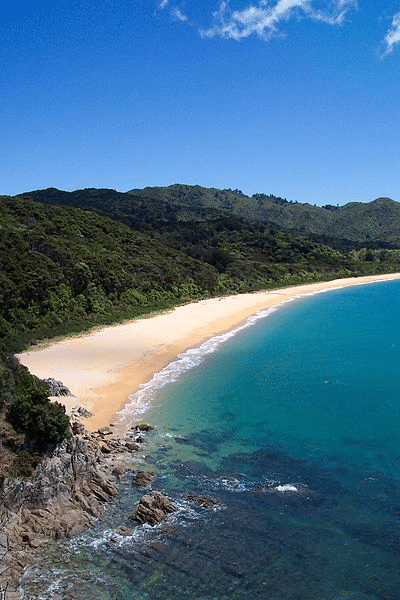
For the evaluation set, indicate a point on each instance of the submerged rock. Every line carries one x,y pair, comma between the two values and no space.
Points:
153,508
144,427
203,501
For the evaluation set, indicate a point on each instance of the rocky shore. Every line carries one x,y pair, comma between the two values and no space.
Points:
66,493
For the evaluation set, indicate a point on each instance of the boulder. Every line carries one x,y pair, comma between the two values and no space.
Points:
80,411
122,530
105,431
77,427
153,508
142,478
144,427
57,388
132,446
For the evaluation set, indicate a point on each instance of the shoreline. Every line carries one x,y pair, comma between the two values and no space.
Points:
104,367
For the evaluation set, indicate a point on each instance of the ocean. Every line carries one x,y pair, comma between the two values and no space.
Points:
291,424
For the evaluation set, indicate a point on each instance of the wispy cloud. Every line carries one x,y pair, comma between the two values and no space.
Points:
178,15
174,11
263,18
392,38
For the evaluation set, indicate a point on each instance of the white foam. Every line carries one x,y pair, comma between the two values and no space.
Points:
286,488
140,401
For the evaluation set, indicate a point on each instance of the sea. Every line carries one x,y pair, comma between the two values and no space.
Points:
290,423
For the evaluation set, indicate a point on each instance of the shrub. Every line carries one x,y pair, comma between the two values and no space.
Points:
31,412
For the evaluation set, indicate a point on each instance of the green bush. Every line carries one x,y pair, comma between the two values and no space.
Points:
31,412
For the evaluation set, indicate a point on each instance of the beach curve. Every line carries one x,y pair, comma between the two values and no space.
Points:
104,367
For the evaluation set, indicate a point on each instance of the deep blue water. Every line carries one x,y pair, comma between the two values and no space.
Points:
292,425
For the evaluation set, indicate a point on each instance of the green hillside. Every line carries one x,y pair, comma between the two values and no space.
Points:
65,269
374,224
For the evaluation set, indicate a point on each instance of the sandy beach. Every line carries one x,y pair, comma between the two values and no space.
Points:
104,367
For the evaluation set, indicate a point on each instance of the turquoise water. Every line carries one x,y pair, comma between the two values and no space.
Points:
292,425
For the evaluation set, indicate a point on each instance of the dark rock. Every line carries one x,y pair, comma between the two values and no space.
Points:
80,411
132,446
144,427
77,427
142,478
139,439
118,471
121,530
153,508
57,388
204,501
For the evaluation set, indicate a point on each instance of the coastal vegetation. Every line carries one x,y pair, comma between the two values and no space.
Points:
72,261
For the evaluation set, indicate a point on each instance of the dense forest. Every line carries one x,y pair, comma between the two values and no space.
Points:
70,261
356,224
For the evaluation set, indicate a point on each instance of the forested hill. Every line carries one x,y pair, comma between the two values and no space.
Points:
373,224
64,269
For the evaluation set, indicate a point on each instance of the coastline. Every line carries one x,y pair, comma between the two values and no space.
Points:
102,368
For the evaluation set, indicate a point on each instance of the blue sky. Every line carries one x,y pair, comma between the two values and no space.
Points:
297,98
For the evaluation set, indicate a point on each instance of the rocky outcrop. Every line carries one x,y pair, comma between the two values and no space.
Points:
153,508
142,478
203,501
67,492
143,427
79,412
57,388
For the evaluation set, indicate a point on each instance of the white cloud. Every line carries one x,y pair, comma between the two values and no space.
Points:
178,15
392,38
263,18
163,4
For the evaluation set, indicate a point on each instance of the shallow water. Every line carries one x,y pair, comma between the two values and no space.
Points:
292,426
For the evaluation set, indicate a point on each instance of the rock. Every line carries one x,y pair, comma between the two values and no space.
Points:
121,530
204,501
80,411
144,427
77,427
142,478
153,508
132,446
57,388
68,489
139,439
118,471
105,431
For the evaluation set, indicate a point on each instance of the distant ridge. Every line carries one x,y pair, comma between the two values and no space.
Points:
372,224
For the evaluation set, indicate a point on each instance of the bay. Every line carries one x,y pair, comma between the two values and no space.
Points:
291,425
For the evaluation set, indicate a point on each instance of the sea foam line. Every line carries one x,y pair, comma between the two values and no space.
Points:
140,401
